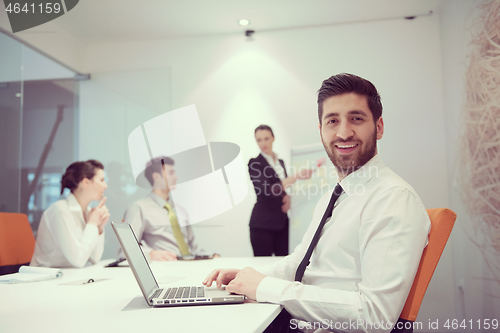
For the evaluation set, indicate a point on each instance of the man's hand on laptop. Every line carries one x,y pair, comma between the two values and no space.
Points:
162,255
242,282
220,277
246,282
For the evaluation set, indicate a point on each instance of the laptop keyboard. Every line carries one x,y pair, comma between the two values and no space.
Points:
184,292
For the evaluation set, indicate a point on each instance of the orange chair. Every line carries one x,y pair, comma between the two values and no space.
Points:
442,221
17,242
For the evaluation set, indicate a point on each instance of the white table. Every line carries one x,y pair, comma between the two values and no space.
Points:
117,305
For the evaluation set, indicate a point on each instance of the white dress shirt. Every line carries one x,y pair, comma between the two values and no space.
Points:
64,238
363,266
151,224
275,164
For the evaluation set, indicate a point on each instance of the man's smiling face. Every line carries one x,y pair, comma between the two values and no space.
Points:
348,132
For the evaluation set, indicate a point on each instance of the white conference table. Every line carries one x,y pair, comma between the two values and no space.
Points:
117,304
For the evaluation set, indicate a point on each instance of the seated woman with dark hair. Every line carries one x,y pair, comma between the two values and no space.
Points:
70,233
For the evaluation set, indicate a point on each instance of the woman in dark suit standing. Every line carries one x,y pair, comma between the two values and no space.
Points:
269,220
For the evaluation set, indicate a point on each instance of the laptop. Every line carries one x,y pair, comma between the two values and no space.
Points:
173,296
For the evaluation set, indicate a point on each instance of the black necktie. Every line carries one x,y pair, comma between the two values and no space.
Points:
303,264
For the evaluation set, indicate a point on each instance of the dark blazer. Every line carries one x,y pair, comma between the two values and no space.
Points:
266,213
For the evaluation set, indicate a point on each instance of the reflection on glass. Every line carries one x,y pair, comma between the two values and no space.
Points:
38,103
10,123
47,143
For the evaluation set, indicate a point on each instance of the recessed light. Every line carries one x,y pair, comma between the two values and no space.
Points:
243,22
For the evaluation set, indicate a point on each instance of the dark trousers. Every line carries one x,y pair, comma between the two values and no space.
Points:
266,242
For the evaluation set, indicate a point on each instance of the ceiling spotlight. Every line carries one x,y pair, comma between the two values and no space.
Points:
243,22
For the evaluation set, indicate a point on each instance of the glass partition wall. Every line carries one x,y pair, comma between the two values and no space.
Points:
38,127
51,116
10,123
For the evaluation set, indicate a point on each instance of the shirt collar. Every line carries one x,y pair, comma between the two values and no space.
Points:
159,200
74,206
269,157
355,181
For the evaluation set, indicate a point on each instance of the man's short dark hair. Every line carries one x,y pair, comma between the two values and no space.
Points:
349,83
155,165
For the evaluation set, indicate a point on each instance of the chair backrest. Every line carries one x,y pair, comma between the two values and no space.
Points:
442,221
17,242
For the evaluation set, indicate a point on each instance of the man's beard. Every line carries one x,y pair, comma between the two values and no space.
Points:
347,164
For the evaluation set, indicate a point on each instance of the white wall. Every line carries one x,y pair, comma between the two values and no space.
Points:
41,99
112,104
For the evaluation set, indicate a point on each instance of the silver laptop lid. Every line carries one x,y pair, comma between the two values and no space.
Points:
136,259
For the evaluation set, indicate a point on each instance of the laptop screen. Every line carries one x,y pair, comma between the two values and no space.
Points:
135,258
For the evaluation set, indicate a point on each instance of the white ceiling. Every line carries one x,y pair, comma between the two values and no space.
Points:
18,62
103,21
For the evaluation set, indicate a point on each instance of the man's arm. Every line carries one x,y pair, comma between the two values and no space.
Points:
283,269
391,246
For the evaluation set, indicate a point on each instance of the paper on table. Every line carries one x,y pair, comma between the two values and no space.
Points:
31,274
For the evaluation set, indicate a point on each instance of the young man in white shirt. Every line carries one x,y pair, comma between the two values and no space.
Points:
362,268
150,217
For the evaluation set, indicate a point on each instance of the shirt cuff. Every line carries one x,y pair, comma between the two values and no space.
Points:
265,270
91,229
270,290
